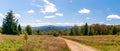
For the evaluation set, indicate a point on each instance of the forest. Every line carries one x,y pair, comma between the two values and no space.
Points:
11,26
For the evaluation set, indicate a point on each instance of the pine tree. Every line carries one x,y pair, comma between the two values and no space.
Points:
71,32
91,32
28,29
114,30
19,29
86,29
9,25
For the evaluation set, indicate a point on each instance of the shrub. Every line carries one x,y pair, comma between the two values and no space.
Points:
55,34
26,38
28,29
118,33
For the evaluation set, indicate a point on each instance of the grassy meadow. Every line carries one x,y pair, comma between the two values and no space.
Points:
101,42
34,43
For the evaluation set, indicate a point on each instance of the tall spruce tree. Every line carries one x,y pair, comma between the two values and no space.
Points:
86,29
114,30
9,25
71,32
19,29
90,32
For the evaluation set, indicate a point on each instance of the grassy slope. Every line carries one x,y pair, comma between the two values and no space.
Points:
35,43
103,43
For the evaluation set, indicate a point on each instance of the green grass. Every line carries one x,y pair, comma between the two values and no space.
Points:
34,43
102,43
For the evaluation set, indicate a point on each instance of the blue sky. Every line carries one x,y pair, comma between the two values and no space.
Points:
62,12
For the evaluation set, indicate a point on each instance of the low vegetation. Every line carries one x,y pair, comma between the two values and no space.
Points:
102,43
34,43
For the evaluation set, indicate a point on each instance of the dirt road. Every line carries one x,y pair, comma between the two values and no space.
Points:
74,46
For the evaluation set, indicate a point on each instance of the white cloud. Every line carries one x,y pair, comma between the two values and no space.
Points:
49,17
49,7
38,21
113,16
31,11
36,24
108,24
17,15
70,23
88,18
101,22
34,3
59,14
53,16
84,11
56,24
1,15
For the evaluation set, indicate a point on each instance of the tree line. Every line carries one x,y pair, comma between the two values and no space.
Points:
89,30
11,26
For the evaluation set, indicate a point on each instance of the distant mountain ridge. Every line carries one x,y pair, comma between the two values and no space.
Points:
50,27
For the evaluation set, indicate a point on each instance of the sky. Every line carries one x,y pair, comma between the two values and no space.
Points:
62,12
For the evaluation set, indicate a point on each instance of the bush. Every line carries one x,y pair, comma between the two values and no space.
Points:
54,33
118,33
38,32
28,29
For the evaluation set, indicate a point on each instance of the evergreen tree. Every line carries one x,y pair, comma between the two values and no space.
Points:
71,32
0,30
86,29
114,30
19,29
28,29
38,32
91,32
9,25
